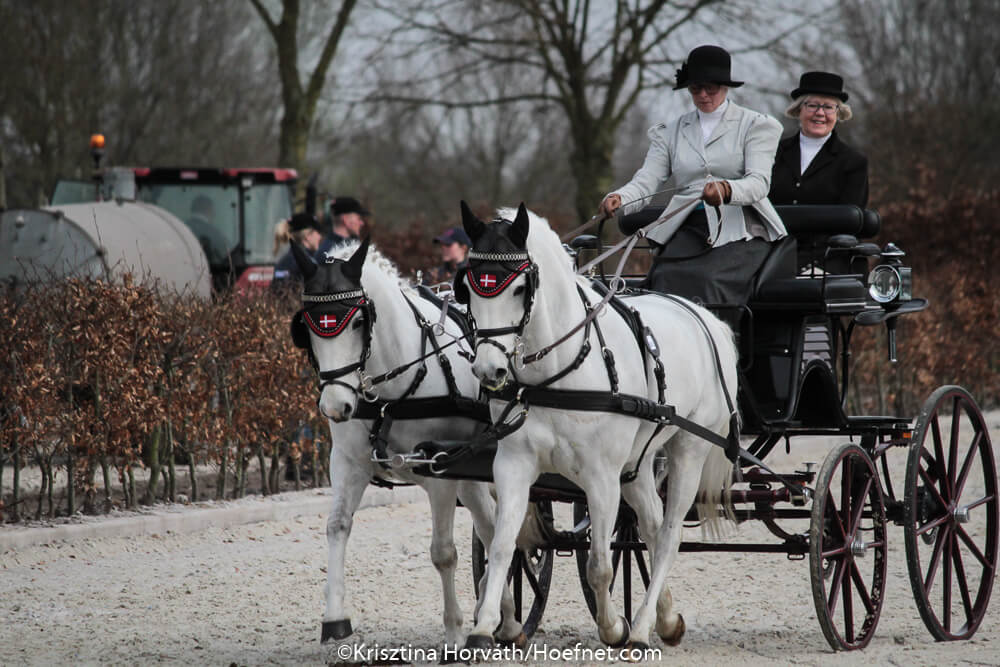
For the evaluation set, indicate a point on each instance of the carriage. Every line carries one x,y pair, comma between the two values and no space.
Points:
933,474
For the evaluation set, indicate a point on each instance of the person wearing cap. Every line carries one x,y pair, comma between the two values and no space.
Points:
348,223
814,166
718,225
303,229
454,243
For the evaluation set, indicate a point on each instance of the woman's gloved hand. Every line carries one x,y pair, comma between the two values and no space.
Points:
716,193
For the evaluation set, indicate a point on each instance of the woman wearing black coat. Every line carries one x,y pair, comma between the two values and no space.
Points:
814,166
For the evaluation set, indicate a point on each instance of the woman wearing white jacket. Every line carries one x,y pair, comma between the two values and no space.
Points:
716,163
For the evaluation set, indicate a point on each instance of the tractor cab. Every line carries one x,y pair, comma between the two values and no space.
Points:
232,211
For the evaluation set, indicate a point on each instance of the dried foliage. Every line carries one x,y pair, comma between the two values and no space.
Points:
112,375
954,253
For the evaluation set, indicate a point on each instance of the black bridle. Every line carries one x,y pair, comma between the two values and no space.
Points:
327,317
489,274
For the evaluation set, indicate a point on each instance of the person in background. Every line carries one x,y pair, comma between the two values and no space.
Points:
201,222
348,222
719,156
814,166
303,229
454,244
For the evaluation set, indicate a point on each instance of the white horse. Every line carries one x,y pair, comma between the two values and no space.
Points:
359,322
524,296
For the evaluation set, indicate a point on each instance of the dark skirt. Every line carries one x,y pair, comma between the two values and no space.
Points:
722,275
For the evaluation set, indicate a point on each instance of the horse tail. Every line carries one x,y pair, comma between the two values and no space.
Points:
715,507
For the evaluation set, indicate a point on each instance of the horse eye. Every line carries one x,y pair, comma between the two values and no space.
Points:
357,323
519,290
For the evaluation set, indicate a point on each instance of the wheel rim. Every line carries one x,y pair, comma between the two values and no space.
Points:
847,548
951,515
533,569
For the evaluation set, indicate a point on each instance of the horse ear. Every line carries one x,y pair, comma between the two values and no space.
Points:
357,261
474,227
519,230
306,264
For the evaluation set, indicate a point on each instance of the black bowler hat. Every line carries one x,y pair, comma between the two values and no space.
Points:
706,64
820,83
342,205
301,221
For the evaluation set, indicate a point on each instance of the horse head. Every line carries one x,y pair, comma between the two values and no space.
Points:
335,324
499,287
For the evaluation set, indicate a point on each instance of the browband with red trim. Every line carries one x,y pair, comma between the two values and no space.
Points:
329,332
487,285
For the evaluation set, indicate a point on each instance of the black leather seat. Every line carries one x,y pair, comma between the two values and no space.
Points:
829,294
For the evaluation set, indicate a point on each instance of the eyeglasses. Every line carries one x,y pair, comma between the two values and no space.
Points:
813,107
710,88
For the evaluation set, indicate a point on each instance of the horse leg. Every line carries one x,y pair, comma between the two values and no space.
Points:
512,475
444,556
603,496
476,498
642,497
348,482
687,456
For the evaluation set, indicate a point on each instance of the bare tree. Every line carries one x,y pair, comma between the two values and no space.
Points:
592,61
930,72
300,98
161,80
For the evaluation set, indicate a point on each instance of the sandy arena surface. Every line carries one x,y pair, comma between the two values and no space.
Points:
253,594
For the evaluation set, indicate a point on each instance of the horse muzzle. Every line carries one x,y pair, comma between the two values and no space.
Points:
337,405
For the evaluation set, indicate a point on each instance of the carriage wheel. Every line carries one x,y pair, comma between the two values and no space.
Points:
627,550
535,570
951,514
847,548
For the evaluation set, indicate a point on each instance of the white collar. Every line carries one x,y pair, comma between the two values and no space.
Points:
814,143
713,116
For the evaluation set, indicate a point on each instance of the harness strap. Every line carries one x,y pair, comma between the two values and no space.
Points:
426,408
631,405
609,357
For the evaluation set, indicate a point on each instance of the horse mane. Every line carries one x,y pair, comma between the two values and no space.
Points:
543,244
383,267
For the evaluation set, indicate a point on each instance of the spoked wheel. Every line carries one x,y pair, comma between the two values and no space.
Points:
534,569
847,548
627,552
951,514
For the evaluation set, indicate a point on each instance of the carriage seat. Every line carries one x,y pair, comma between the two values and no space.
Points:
825,221
777,287
824,238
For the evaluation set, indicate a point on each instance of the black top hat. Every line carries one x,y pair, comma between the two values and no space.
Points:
821,83
342,205
301,221
706,64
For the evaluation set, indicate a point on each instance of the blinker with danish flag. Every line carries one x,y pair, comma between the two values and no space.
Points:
492,280
331,318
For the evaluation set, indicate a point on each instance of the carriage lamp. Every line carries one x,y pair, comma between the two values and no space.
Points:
891,280
884,283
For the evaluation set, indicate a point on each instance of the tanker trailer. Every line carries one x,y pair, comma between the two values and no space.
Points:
103,239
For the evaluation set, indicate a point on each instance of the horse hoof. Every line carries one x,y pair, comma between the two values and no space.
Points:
623,639
635,651
520,641
478,642
336,630
674,638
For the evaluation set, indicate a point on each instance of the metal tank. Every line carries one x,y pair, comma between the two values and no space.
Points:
103,239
